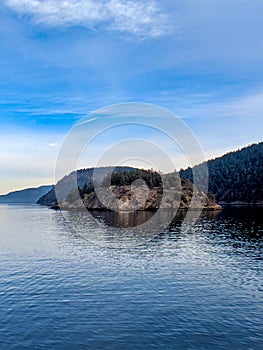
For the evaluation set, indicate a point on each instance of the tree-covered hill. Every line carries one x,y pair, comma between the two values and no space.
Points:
84,177
138,189
235,177
165,191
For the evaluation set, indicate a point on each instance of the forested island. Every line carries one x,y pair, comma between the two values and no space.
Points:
122,191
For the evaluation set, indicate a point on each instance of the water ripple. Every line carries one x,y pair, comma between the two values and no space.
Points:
179,290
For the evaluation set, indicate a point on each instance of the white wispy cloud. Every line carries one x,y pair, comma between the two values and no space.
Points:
141,18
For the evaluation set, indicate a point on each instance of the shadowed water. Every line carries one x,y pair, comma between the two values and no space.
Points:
73,287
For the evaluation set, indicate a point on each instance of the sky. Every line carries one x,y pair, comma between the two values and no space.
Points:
61,60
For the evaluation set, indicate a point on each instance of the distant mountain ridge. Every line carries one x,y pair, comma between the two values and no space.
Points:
235,178
27,196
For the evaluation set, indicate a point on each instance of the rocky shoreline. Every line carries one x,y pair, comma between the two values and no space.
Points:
126,198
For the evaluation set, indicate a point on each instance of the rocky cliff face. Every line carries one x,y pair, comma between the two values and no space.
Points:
128,198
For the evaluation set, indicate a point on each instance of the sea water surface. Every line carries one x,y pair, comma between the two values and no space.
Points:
60,289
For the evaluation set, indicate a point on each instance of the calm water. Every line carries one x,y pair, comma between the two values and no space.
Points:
61,289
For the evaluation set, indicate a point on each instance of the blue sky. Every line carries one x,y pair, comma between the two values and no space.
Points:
60,60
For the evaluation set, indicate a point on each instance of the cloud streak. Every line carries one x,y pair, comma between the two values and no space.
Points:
139,18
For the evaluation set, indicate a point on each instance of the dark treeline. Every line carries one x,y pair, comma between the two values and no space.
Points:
236,176
126,178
